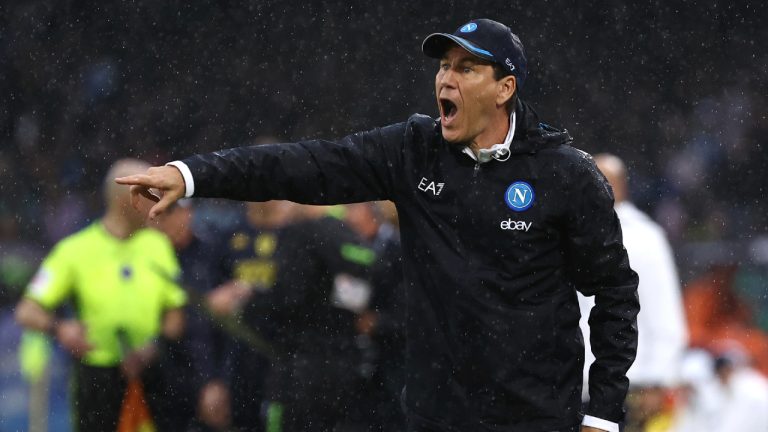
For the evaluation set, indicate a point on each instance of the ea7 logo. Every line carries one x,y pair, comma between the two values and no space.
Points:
430,186
512,225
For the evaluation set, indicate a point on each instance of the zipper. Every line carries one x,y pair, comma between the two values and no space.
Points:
476,170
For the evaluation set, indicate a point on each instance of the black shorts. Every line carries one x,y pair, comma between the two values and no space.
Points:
97,398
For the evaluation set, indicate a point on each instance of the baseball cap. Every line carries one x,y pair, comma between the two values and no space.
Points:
488,39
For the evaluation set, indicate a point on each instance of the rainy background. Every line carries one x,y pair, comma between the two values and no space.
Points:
676,88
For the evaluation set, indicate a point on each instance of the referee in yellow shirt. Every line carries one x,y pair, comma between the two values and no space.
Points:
119,278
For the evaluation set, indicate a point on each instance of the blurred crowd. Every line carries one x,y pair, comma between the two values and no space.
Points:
681,100
270,324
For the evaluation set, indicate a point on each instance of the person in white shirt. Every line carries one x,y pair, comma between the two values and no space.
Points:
663,335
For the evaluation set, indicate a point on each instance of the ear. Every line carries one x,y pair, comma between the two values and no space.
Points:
507,88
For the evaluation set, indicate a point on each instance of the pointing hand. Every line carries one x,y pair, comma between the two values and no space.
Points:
164,185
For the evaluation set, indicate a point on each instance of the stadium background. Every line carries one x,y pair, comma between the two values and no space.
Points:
676,88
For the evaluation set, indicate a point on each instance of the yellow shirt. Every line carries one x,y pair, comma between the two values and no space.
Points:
119,288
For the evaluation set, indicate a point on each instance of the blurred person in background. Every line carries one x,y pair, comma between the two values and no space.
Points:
250,269
119,278
662,333
382,323
200,401
722,392
698,400
320,290
248,249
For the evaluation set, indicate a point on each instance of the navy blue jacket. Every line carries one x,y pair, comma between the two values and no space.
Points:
493,254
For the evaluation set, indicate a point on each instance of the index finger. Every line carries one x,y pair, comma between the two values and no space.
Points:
136,180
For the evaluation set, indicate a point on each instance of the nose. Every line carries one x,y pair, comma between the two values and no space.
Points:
446,78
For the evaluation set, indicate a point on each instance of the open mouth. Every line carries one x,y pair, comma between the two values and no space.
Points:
449,109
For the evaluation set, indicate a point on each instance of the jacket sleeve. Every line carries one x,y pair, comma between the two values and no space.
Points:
599,266
359,167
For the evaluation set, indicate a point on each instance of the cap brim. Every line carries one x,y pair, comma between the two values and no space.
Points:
436,44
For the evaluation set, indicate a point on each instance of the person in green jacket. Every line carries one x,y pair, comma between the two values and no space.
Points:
119,278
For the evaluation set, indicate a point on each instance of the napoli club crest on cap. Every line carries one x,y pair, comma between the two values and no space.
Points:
519,196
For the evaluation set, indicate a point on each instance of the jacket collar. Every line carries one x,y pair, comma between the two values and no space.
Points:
497,151
526,135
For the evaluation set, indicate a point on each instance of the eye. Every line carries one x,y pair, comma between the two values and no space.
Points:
444,66
467,69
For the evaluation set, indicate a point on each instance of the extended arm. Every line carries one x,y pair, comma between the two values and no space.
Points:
360,167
